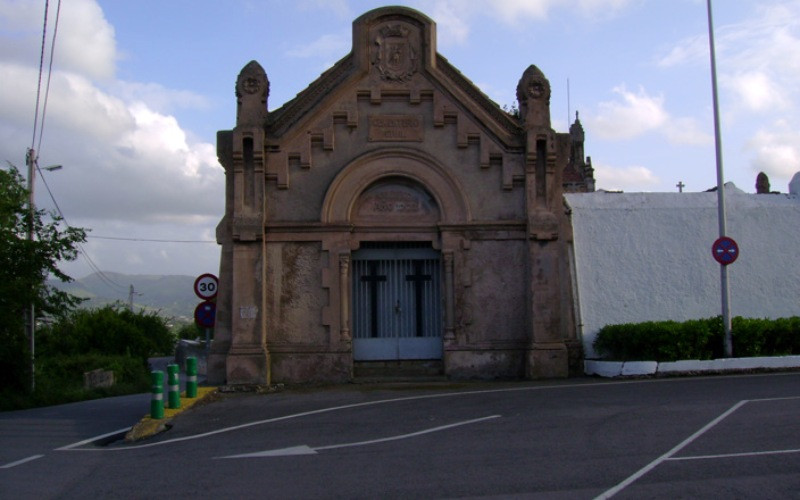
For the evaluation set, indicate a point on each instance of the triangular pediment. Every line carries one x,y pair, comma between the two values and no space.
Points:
393,57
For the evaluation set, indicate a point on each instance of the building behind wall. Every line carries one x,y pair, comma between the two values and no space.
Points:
391,212
647,257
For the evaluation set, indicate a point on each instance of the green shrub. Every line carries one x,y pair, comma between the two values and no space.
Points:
698,339
111,338
59,380
108,331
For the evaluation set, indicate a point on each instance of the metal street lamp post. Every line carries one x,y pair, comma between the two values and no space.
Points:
726,297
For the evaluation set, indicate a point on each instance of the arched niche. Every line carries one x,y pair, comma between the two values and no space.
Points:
407,174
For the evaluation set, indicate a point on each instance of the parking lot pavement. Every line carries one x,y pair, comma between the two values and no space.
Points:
703,437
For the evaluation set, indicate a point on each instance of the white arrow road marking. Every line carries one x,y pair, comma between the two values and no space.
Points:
307,450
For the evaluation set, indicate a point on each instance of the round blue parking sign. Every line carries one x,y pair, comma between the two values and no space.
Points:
725,250
205,313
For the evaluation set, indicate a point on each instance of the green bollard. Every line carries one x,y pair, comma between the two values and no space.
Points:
191,377
174,387
157,389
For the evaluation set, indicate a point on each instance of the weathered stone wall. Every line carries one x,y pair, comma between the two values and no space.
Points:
295,296
492,305
647,256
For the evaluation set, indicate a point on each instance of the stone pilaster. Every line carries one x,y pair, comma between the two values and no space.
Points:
547,354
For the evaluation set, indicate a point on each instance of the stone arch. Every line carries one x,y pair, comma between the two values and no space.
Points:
415,168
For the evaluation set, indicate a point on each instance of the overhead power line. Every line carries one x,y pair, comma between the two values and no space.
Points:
41,72
147,240
49,71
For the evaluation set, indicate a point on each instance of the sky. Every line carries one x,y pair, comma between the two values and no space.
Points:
139,89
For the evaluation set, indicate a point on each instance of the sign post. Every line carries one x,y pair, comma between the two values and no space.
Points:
206,287
723,269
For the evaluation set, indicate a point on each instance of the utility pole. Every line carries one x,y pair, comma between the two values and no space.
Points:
130,298
30,314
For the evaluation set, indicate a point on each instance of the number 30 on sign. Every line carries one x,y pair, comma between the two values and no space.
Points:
205,286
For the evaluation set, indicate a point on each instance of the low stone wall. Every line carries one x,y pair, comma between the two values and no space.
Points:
643,368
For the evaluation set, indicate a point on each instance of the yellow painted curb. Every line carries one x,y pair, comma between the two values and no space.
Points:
148,427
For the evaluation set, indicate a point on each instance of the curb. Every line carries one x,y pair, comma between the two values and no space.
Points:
611,369
148,427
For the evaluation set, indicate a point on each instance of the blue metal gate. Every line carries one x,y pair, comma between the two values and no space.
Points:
397,310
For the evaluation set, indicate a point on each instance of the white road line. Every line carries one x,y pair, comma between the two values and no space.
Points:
733,455
92,439
307,450
336,408
386,401
20,462
652,465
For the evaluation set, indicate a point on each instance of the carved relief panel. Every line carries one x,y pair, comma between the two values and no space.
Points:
396,200
395,51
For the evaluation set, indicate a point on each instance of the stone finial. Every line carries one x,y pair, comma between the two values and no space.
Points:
794,184
762,183
252,90
533,95
576,129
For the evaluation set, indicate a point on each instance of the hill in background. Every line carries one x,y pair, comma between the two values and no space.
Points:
171,296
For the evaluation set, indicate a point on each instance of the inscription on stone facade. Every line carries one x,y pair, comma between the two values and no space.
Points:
395,128
395,202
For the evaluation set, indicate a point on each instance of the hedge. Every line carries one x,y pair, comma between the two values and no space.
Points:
698,339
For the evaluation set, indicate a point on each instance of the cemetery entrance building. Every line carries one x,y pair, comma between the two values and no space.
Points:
392,212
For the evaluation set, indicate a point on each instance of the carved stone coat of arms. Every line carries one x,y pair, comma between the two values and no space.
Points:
395,56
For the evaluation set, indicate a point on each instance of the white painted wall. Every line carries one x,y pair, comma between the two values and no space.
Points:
647,256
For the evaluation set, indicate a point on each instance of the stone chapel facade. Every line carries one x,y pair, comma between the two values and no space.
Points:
392,212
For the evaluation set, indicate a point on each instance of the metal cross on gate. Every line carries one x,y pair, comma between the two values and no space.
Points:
419,280
372,279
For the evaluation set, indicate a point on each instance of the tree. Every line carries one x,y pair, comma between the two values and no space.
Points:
24,265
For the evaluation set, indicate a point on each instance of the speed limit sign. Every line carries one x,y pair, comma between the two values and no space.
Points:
205,286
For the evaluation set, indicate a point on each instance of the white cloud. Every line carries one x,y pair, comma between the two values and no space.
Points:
514,12
454,18
777,153
687,131
452,21
689,50
758,60
634,178
636,114
756,91
324,46
130,168
158,97
86,42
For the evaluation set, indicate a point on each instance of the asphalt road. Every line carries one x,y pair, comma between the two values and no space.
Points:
709,437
